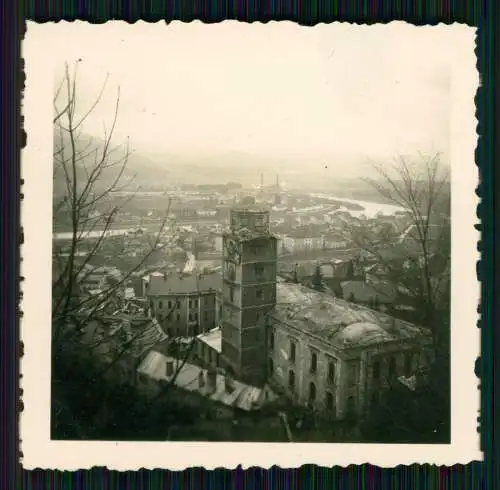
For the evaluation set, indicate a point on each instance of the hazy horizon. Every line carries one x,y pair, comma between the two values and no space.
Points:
269,98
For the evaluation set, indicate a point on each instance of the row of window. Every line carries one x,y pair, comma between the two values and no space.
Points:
392,369
313,366
329,397
259,294
193,303
193,316
259,271
312,392
376,366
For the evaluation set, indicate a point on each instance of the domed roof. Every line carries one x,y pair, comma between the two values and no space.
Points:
362,331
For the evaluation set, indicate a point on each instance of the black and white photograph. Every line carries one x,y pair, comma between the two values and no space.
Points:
252,234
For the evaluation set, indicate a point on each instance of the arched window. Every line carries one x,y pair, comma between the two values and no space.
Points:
292,351
291,380
329,401
312,392
314,362
331,372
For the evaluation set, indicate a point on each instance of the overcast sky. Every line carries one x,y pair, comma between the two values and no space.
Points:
279,90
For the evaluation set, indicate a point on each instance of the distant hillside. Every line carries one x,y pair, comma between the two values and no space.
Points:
138,171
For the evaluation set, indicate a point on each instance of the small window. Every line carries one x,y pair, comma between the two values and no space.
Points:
271,366
329,401
190,317
259,294
314,362
169,304
195,316
160,304
169,332
231,295
205,315
178,316
291,380
376,370
271,340
353,374
292,351
331,372
375,399
259,272
312,392
177,304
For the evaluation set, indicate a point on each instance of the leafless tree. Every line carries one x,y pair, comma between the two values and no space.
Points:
417,259
92,171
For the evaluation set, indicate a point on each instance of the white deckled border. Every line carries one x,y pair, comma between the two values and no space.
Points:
39,452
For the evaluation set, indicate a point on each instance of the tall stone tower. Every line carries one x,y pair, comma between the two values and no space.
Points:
248,292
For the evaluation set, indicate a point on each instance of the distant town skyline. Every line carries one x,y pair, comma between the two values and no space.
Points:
328,95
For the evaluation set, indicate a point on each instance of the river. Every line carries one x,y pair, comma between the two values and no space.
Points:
371,209
68,235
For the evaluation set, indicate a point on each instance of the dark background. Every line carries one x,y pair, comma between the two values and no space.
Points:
482,14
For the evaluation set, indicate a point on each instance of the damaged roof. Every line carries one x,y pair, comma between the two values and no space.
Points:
338,322
242,396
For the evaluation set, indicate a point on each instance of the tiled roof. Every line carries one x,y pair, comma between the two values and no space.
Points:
338,322
243,396
176,283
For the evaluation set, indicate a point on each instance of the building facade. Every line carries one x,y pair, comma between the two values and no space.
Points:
208,347
248,292
336,358
183,304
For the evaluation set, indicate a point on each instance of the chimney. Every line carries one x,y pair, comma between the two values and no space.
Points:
201,379
170,368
